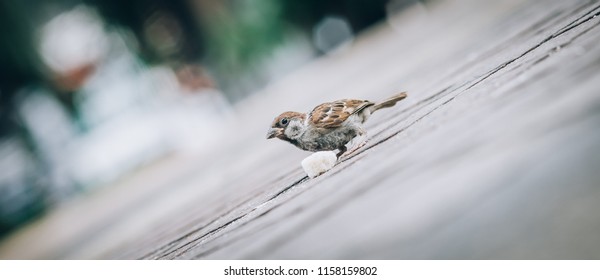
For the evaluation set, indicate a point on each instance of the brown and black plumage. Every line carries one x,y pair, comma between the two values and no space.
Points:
329,126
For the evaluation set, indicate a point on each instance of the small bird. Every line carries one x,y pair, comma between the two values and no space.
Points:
329,126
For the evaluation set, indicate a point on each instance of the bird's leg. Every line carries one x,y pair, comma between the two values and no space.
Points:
342,149
358,141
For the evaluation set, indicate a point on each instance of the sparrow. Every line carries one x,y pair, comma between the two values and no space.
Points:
329,126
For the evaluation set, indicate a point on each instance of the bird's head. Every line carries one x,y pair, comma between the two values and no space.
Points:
287,126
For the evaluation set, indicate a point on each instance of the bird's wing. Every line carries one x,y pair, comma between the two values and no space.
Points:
333,114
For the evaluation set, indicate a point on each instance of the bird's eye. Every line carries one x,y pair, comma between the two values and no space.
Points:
283,121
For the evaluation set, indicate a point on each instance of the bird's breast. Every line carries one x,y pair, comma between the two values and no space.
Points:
326,140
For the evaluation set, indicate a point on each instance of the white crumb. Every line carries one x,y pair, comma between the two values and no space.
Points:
318,163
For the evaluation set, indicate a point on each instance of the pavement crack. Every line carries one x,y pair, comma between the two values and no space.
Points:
286,189
572,25
221,227
210,233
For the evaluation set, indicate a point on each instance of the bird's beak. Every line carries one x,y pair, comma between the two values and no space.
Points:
273,132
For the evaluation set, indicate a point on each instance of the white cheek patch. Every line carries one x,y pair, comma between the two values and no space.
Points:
318,163
293,131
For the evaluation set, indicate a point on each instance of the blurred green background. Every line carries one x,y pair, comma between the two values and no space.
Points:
90,90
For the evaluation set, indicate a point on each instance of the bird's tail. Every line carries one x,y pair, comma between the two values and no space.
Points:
389,102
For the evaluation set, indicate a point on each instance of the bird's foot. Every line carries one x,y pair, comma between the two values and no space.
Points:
341,150
358,142
355,144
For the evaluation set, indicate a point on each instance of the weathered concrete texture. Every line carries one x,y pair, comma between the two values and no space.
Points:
495,154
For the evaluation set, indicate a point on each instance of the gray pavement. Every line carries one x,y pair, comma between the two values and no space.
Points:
494,155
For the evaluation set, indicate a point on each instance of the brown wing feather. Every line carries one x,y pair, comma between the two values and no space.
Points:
333,114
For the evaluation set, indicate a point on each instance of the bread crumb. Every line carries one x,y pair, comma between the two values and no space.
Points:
318,163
